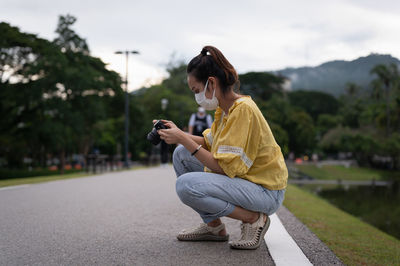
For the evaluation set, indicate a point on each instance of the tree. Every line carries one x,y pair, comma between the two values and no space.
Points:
350,111
53,95
325,122
387,78
82,84
261,86
314,102
290,124
67,38
26,63
352,89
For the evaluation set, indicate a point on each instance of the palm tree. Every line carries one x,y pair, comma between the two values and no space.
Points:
352,89
387,78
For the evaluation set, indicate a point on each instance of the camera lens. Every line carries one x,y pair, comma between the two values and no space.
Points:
153,137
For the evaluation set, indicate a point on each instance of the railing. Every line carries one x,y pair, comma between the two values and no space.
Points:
340,182
299,178
98,163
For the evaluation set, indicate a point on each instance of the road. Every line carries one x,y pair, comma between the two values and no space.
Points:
123,218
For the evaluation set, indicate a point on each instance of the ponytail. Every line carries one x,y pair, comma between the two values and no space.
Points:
211,62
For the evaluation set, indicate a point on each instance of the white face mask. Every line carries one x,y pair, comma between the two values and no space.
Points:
203,101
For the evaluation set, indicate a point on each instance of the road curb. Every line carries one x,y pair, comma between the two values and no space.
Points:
314,249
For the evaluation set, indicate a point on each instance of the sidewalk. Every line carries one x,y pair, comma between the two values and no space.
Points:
124,218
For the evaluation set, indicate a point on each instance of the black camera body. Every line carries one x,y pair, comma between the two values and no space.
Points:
153,136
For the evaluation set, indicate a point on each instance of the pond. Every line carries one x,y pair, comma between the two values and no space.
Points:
378,206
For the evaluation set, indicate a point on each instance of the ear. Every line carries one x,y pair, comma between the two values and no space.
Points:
212,84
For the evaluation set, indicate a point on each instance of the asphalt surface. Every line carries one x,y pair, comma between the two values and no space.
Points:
124,218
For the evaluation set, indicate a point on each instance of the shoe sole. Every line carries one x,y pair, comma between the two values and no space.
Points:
260,240
204,238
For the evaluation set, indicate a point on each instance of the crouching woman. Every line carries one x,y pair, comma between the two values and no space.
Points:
236,169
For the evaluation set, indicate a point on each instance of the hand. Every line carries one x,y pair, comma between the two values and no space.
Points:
172,135
167,123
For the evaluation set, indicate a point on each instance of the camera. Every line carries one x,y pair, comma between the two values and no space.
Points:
153,136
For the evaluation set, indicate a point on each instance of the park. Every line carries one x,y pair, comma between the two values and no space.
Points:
80,183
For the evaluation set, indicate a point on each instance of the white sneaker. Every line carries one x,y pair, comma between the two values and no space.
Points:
203,233
252,235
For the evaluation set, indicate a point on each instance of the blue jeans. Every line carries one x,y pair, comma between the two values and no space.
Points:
214,195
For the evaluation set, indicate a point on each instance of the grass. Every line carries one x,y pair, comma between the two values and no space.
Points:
353,241
350,173
41,179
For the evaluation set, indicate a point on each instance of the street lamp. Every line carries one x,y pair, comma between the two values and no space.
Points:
126,52
164,146
164,103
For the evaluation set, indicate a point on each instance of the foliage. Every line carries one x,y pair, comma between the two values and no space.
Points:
388,79
325,122
58,100
314,103
67,39
294,121
62,95
261,85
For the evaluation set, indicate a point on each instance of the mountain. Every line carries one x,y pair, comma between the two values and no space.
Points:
331,77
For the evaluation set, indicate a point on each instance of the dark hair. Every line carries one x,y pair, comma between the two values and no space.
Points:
212,63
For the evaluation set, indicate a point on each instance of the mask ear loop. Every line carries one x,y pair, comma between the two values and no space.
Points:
213,92
205,87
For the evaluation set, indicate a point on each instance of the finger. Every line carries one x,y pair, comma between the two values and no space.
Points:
167,124
170,124
166,121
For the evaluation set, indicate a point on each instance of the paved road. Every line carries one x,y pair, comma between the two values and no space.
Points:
124,218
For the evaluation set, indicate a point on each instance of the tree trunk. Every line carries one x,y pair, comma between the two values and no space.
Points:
62,161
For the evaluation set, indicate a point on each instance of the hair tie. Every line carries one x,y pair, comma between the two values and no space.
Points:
204,52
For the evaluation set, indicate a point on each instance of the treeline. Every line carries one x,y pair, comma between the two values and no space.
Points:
57,100
361,124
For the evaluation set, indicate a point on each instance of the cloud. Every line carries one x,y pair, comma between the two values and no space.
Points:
255,35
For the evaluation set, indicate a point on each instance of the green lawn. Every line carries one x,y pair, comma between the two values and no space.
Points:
41,179
353,241
351,173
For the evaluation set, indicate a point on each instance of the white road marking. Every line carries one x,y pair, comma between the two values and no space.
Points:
282,247
13,187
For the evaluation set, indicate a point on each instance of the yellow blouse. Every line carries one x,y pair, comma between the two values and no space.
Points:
244,146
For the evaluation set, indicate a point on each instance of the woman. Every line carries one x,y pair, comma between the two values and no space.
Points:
235,169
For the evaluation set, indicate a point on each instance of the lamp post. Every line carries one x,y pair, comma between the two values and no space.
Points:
164,146
164,103
126,52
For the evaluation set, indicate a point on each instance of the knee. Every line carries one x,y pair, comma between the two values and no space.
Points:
185,188
182,186
177,153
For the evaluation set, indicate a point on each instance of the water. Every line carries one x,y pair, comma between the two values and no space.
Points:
378,206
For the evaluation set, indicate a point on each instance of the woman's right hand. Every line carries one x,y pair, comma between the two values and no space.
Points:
167,123
171,135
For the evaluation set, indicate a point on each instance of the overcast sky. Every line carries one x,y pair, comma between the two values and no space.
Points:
255,35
